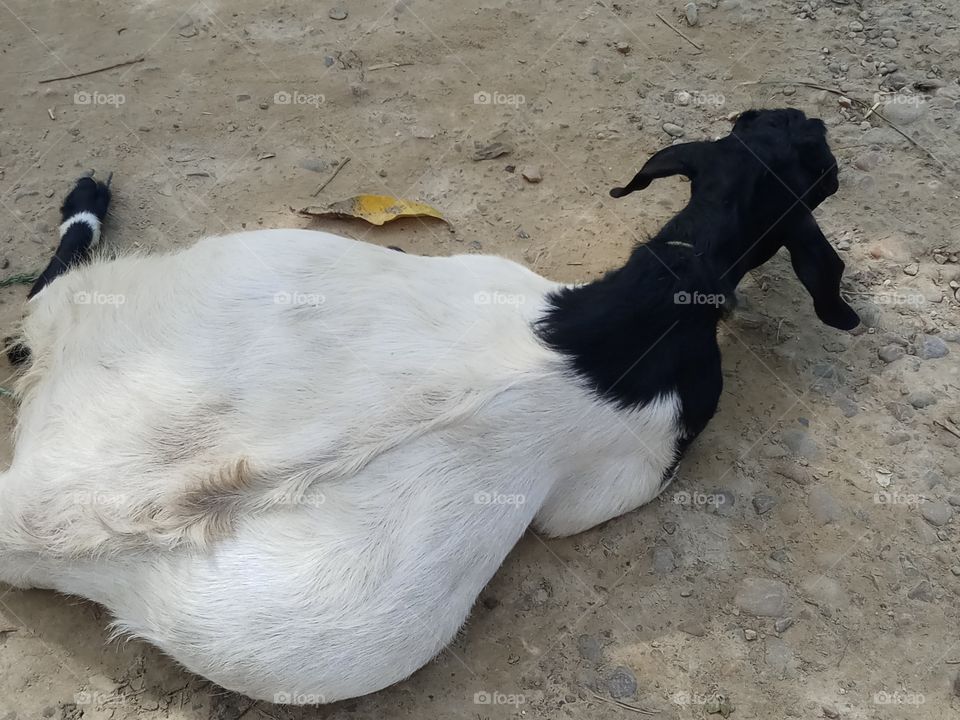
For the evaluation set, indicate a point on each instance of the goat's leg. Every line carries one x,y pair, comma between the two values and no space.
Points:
82,212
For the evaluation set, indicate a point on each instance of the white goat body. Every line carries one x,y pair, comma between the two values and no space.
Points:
292,460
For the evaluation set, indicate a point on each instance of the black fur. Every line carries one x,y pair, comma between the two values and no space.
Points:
87,195
632,336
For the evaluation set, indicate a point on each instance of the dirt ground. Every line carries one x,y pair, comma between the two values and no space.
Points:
805,563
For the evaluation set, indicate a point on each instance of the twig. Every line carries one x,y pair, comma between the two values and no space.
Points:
19,279
626,706
329,180
948,428
50,113
861,103
383,66
678,32
91,72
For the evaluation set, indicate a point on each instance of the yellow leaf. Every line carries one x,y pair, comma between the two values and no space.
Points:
375,209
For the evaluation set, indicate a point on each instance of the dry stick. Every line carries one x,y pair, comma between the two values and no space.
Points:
948,428
388,65
329,180
678,32
861,103
626,706
91,72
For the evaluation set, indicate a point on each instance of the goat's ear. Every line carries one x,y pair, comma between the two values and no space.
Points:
819,268
683,159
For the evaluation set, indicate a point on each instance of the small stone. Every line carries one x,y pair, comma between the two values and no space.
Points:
856,26
911,269
783,624
763,504
264,106
749,635
898,438
888,42
922,399
423,133
762,597
531,173
623,48
932,347
622,683
682,98
829,712
936,513
692,626
582,38
890,353
669,527
673,130
590,648
922,592
664,561
692,14
337,13
900,411
955,570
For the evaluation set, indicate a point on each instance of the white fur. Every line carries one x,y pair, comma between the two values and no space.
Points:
292,461
89,219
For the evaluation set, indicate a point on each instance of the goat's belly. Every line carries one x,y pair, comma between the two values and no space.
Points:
284,613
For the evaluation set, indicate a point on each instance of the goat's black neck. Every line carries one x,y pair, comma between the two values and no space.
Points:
648,329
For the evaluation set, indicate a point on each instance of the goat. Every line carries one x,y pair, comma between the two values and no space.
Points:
292,460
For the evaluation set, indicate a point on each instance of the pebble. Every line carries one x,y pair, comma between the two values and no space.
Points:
932,347
764,503
889,42
936,513
673,130
900,411
663,560
692,14
783,624
922,399
923,592
623,48
337,13
590,648
890,353
829,712
823,506
749,635
911,269
622,683
762,597
531,173
898,438
903,113
856,26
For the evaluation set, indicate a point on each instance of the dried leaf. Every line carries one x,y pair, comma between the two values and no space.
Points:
375,209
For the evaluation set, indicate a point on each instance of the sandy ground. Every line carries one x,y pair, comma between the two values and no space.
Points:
822,496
